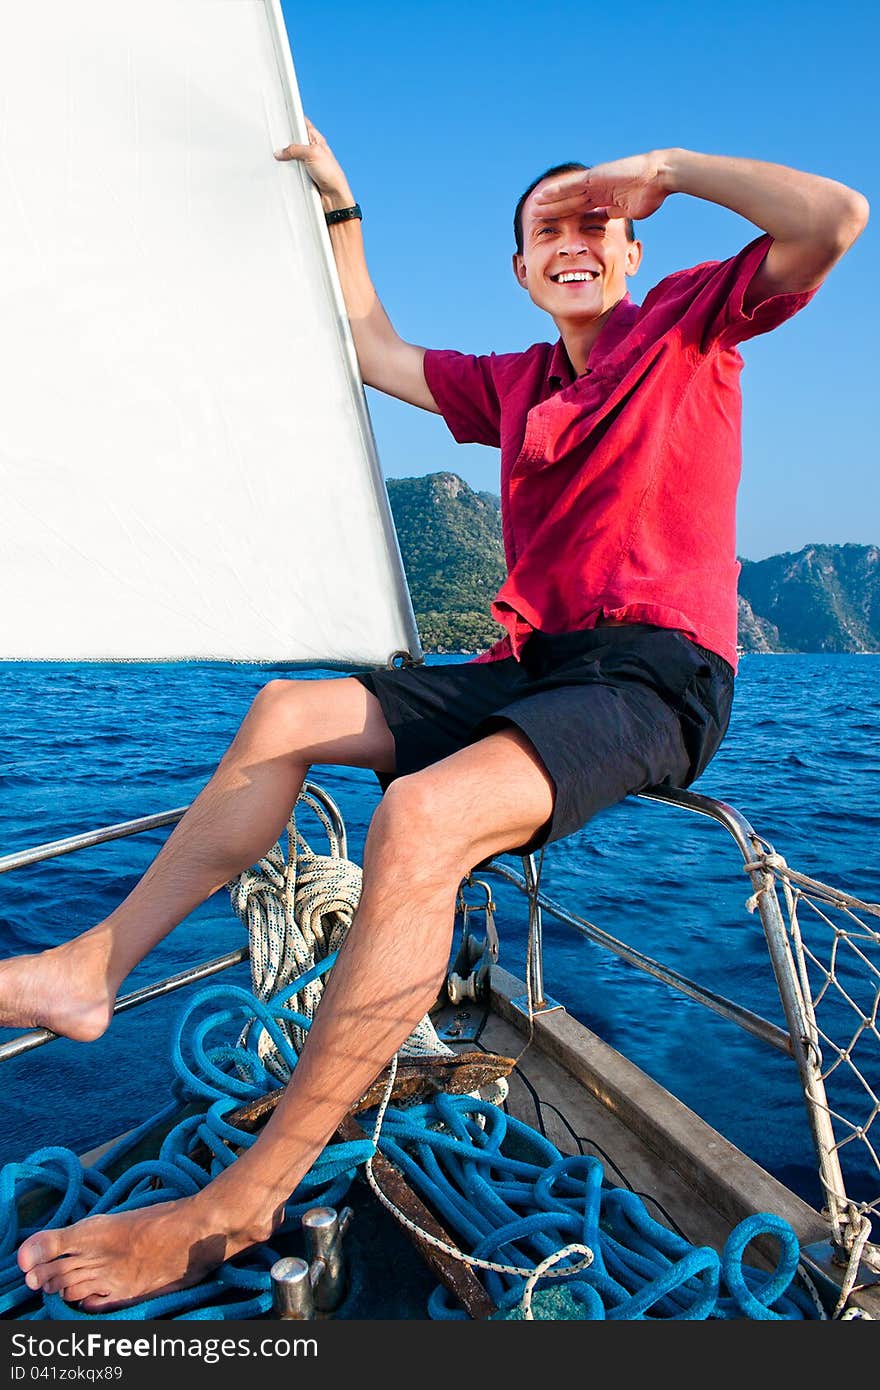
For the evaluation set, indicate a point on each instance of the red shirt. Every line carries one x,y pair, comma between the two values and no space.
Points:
618,487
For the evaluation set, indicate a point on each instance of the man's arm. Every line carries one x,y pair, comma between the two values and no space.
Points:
386,361
813,220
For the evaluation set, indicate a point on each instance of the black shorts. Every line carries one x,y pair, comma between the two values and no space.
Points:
609,711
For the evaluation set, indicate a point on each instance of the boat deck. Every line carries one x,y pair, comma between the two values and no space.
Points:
588,1098
663,1149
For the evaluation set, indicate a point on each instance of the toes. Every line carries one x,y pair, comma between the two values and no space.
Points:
39,1249
100,1303
58,1276
45,1256
75,1291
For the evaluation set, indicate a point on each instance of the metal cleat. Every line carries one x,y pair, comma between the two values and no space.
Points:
304,1289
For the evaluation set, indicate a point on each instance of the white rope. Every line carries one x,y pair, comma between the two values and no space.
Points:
771,862
297,907
453,1250
543,1269
813,1292
855,1256
768,864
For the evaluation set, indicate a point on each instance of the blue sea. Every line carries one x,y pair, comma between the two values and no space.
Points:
83,746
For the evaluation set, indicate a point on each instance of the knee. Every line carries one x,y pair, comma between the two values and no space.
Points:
275,715
416,819
277,699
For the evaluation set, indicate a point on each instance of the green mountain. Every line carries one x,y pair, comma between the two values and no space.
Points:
824,598
450,540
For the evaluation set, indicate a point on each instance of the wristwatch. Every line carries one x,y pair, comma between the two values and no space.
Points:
343,215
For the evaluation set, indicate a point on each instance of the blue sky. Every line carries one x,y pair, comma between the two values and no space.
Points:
443,112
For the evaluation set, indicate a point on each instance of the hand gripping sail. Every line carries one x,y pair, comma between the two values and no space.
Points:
187,465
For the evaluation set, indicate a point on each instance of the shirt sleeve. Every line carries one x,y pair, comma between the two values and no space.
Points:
711,299
464,389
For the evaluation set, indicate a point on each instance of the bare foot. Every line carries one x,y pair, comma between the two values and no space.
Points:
106,1262
65,989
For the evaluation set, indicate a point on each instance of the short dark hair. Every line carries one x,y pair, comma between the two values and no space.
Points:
547,174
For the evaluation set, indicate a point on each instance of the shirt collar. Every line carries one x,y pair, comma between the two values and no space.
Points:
615,328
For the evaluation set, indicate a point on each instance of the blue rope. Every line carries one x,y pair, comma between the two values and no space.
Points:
222,1076
519,1210
503,1191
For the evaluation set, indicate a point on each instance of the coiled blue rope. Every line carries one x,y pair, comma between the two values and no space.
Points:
458,1154
207,1069
504,1191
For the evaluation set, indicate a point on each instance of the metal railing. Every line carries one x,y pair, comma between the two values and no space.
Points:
791,959
55,849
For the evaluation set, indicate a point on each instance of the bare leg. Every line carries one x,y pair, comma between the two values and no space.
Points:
232,823
425,836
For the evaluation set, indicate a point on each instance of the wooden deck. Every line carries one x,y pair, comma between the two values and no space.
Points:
665,1150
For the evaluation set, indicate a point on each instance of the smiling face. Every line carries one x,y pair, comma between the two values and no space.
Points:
574,267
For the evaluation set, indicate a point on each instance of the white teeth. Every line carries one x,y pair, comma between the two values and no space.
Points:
574,275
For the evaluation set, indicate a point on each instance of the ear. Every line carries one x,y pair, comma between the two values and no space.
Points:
633,257
519,269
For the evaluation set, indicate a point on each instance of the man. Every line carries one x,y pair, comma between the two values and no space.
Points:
620,459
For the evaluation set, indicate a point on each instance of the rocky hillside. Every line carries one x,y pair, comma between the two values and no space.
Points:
825,598
755,634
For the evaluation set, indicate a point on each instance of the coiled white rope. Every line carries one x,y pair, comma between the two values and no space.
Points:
297,907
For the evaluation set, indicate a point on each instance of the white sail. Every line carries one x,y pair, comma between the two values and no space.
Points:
187,467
